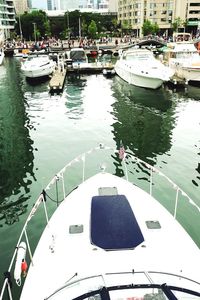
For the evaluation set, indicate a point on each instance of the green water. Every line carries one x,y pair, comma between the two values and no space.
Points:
40,133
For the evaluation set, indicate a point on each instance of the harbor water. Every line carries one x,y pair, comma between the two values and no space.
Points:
40,133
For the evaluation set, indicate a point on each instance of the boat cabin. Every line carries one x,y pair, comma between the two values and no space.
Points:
182,37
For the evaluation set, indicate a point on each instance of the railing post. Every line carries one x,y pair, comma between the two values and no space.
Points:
57,178
45,209
28,245
9,291
151,181
63,185
83,159
126,172
176,203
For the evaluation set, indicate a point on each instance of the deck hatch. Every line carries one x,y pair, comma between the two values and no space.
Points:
103,191
113,223
153,224
77,228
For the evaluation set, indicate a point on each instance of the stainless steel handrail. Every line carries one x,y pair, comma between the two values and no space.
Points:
60,175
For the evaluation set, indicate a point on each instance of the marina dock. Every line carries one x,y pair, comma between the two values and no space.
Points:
90,68
178,82
56,83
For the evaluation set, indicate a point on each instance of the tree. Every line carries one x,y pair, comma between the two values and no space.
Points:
147,28
150,28
185,24
176,24
155,28
58,27
92,29
27,21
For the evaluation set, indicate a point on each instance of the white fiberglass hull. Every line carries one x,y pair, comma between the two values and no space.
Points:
151,78
1,57
138,80
62,255
188,73
38,72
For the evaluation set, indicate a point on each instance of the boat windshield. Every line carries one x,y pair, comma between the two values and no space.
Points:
187,55
41,57
129,286
139,56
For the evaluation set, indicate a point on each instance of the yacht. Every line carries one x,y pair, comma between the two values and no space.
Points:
1,56
108,238
183,57
139,67
38,65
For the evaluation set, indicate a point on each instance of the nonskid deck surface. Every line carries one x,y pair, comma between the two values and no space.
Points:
66,249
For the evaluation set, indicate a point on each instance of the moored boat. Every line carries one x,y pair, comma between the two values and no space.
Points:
1,56
183,57
108,238
38,65
139,67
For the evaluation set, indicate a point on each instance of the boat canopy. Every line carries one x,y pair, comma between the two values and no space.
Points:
78,54
113,223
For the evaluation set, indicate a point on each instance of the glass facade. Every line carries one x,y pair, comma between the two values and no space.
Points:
7,17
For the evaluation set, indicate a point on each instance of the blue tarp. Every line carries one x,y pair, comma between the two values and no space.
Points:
113,223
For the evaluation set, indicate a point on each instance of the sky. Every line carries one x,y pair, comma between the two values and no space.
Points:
39,4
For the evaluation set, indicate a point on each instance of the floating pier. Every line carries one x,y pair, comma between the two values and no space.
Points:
89,68
177,81
57,82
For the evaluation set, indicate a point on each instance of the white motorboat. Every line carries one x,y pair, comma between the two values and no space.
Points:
38,65
184,59
1,56
108,238
77,58
139,67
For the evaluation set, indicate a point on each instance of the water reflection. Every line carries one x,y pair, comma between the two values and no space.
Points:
144,119
192,92
187,93
16,147
74,89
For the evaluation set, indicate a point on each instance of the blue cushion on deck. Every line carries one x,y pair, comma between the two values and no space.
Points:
113,223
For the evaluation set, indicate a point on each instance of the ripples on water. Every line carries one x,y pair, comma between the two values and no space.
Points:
39,133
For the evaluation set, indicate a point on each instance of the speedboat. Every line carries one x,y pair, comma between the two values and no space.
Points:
38,65
139,67
108,238
1,56
77,58
184,59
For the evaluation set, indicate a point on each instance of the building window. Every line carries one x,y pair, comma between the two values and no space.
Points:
152,5
195,4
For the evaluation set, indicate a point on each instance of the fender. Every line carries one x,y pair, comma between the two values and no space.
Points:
21,253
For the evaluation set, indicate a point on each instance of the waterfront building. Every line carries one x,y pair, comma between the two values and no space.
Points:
83,3
193,12
103,4
49,5
78,4
29,2
7,18
113,5
69,5
21,6
133,13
